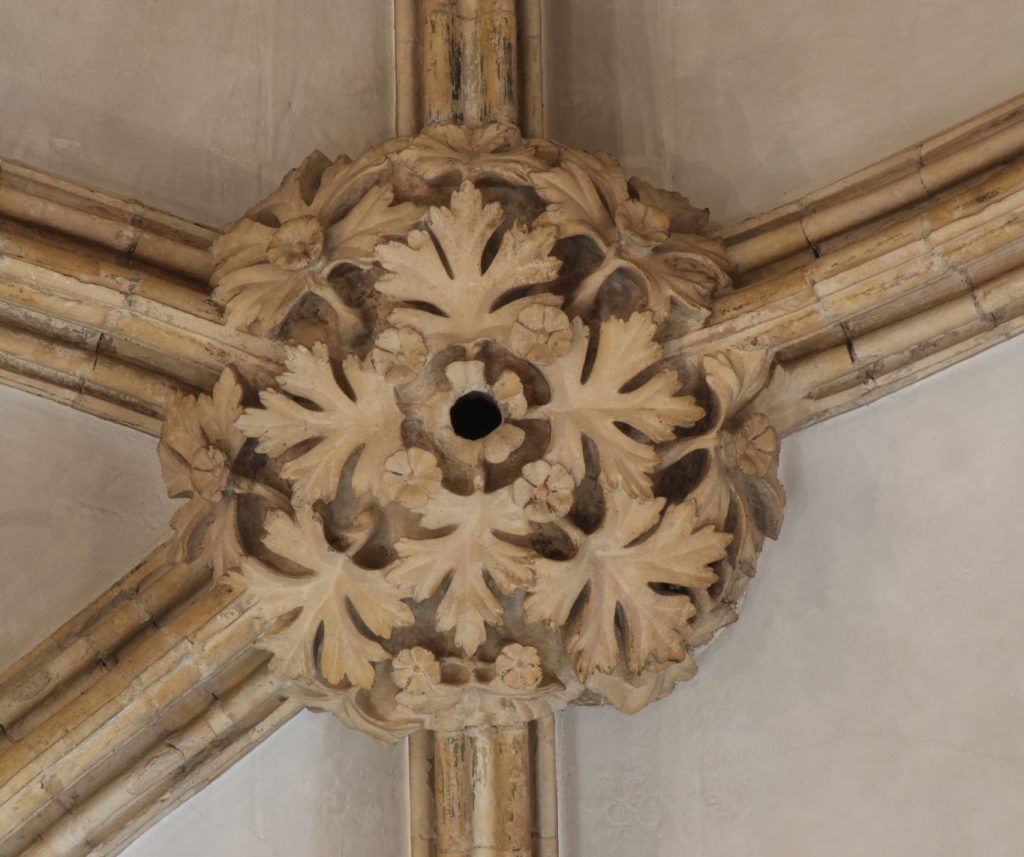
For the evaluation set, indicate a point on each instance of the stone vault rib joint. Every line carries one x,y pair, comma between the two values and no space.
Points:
604,523
341,544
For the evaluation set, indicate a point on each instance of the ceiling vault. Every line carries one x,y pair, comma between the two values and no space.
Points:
142,318
860,288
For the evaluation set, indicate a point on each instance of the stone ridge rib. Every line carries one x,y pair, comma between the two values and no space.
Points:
131,707
859,288
887,276
104,303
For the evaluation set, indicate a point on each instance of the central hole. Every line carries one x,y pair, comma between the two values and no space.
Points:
475,415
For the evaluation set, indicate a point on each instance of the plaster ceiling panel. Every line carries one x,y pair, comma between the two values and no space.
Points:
313,789
743,105
81,503
869,701
195,107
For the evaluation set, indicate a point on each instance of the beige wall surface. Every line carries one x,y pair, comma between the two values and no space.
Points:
81,502
313,789
193,106
870,699
745,104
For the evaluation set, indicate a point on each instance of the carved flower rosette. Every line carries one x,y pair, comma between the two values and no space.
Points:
494,474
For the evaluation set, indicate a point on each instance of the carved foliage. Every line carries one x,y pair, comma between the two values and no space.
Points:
595,403
641,562
198,453
332,596
470,545
482,489
450,292
322,217
338,422
631,224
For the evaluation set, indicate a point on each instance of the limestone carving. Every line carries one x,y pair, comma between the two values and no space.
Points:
479,488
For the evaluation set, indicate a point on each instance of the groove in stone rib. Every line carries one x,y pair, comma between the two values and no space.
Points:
161,658
83,378
920,171
929,225
128,227
188,782
134,790
485,790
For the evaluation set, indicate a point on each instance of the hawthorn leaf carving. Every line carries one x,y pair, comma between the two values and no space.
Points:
592,406
371,220
740,484
613,571
494,151
197,450
588,195
441,277
470,550
367,423
334,588
286,247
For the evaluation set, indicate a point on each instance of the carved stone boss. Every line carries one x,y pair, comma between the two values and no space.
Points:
478,490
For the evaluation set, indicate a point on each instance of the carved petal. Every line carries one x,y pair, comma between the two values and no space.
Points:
369,423
615,572
324,598
594,406
461,557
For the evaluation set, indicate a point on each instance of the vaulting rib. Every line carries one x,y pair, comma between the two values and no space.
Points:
104,303
888,275
132,706
860,288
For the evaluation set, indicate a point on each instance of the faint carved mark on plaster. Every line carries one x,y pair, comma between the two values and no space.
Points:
478,489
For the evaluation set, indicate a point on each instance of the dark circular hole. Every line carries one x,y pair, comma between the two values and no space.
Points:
475,415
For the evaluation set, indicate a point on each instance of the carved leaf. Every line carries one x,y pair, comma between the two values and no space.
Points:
492,151
335,588
369,222
685,270
208,532
614,572
196,422
268,262
593,406
258,298
197,448
740,484
369,423
736,377
682,217
255,292
631,693
588,195
345,181
576,204
295,194
445,269
465,557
